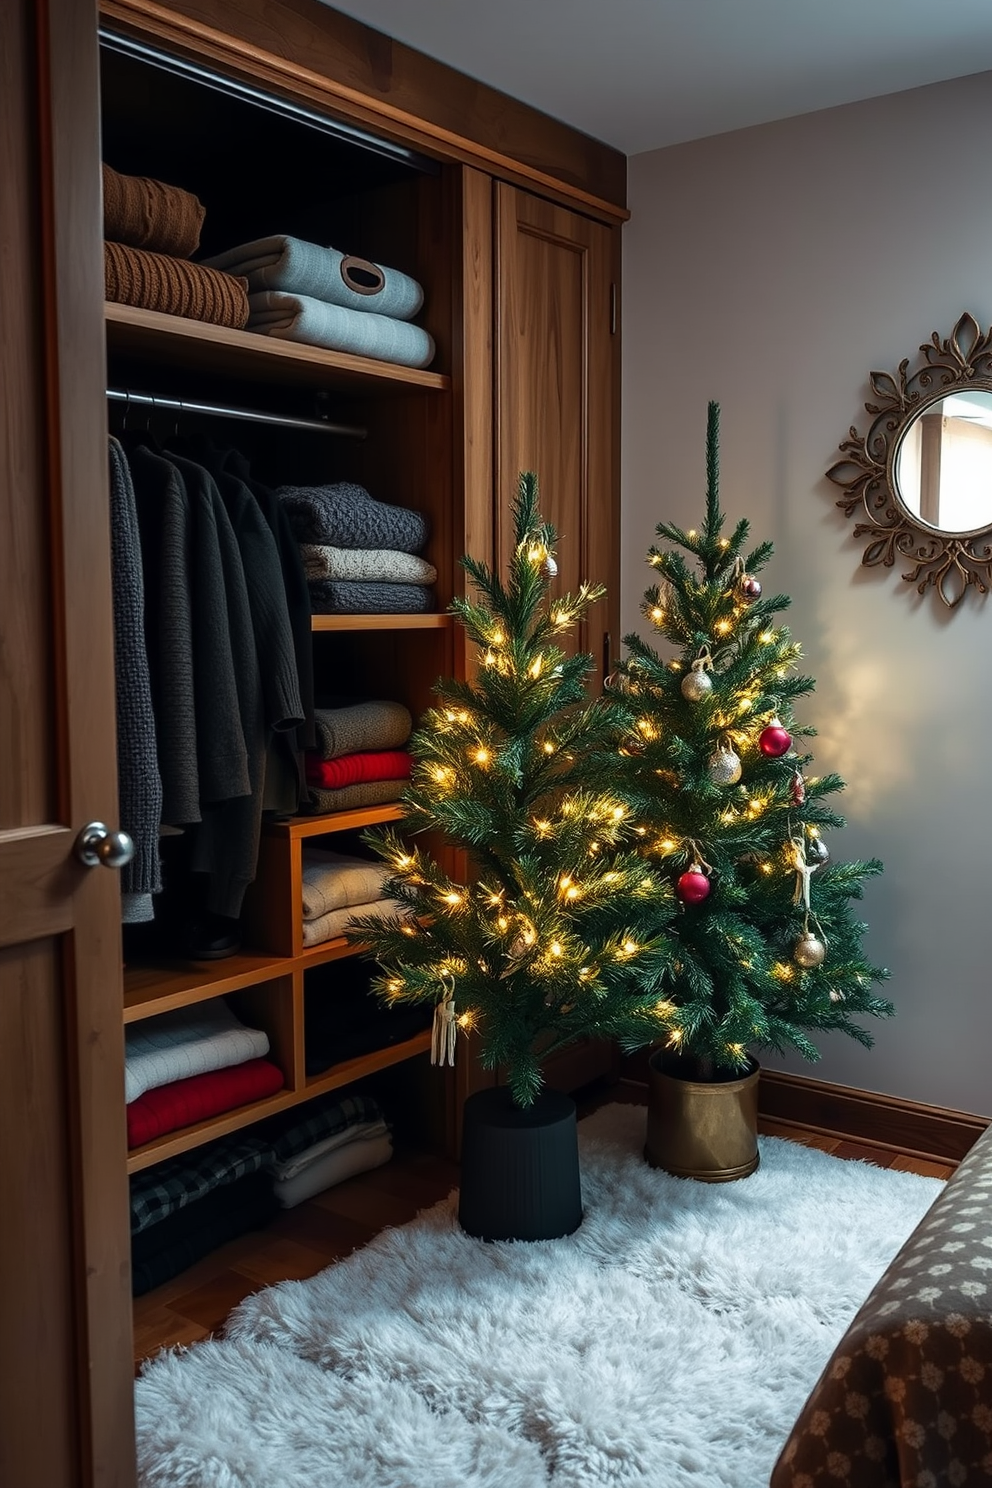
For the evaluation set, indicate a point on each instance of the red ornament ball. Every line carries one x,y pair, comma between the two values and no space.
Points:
750,588
774,741
693,886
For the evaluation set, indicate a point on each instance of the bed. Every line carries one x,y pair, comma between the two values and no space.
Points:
905,1400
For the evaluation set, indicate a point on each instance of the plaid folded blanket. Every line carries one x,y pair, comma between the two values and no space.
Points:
171,1185
302,268
359,332
159,1254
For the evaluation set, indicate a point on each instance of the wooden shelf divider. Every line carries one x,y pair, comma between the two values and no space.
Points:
173,341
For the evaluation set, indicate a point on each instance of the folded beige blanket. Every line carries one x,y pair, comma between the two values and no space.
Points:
376,565
154,281
333,881
330,926
145,213
360,1131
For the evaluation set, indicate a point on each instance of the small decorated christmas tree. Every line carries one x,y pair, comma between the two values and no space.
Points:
767,947
559,932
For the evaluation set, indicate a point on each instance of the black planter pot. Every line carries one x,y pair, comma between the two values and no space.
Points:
520,1167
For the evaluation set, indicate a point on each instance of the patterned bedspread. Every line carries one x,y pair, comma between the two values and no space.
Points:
906,1398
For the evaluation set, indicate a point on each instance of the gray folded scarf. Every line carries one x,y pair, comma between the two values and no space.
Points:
360,332
344,515
301,268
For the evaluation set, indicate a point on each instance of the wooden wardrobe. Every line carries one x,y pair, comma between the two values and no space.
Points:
512,222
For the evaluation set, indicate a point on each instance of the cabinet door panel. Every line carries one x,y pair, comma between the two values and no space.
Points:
66,1393
555,387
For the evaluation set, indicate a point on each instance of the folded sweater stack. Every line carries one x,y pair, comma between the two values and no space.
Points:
185,1207
301,291
185,1066
150,230
360,555
360,759
337,887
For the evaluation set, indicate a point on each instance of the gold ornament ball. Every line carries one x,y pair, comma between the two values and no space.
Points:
809,951
696,685
724,767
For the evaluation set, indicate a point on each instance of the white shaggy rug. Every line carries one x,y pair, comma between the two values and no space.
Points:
669,1343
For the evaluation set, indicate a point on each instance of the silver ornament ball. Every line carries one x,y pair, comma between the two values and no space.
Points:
809,951
817,851
724,767
549,568
696,685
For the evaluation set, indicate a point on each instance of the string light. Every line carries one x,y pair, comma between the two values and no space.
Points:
482,755
657,613
534,670
723,626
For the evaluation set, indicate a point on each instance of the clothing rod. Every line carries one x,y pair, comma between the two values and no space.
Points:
249,415
338,129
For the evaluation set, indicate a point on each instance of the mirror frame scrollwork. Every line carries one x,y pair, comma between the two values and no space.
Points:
949,563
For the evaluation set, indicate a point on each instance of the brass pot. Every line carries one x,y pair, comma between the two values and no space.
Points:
705,1129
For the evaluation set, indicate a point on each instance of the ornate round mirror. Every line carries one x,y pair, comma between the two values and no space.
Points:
922,474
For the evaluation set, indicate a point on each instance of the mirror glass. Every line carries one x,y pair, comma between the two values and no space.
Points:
943,465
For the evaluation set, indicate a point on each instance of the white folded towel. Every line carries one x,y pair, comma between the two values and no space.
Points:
334,1167
368,565
334,881
361,1131
329,926
188,1041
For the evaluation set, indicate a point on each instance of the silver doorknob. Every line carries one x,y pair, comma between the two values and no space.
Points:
97,844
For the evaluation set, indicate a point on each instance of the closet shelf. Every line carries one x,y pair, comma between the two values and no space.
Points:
334,821
219,1126
159,987
438,621
172,341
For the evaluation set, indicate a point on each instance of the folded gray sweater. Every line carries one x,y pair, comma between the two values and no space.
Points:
346,597
359,727
301,268
344,515
360,332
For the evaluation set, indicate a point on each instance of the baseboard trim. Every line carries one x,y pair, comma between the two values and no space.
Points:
908,1128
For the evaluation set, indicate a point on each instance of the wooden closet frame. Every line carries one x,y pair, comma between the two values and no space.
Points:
59,925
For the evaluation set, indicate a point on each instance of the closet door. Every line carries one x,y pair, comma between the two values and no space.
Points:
65,1316
556,396
556,388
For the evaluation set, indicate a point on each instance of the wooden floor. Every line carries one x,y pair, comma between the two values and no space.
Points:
304,1240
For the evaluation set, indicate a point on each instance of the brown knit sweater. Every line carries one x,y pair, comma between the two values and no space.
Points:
145,213
153,281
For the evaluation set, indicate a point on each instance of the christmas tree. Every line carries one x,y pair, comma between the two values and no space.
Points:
559,931
767,946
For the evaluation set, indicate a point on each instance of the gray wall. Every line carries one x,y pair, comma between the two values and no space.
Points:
771,269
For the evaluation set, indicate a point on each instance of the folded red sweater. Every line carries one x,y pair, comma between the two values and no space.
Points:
355,769
168,1107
